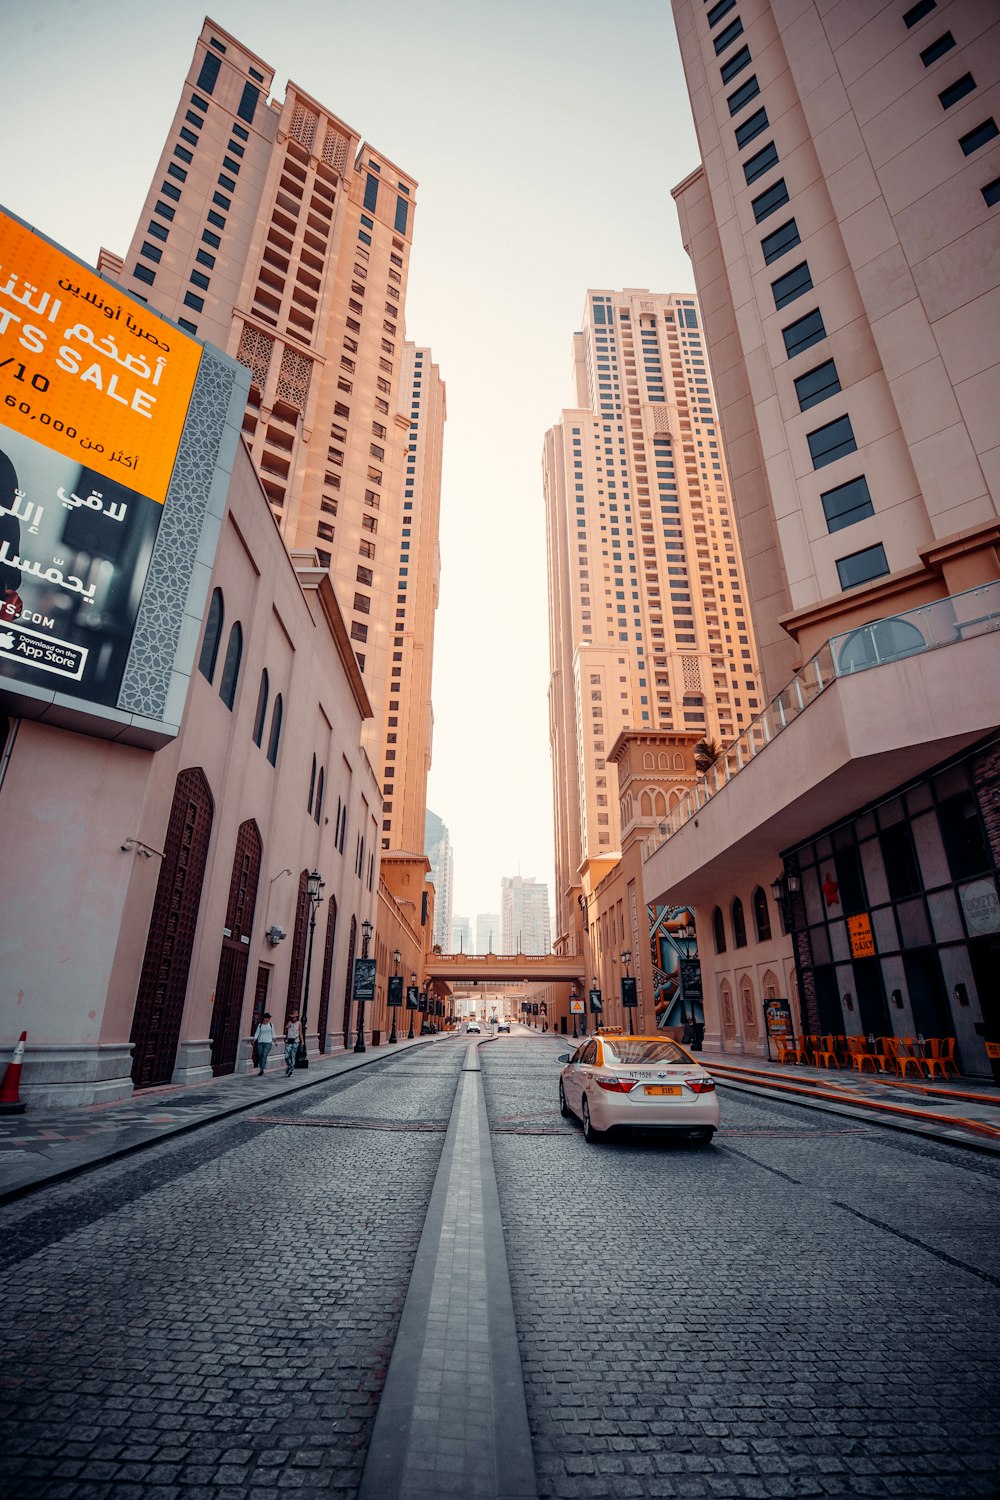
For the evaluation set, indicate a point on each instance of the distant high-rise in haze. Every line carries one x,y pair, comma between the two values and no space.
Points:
524,916
488,932
649,625
272,230
461,935
437,847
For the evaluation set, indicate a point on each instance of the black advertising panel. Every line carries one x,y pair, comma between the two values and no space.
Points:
364,979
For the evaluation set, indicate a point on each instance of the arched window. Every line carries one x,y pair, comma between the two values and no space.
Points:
646,804
728,1014
739,924
719,930
231,667
213,635
748,1008
761,915
319,797
648,762
275,738
261,714
312,786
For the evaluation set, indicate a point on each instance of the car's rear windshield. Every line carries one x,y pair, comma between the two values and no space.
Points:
632,1051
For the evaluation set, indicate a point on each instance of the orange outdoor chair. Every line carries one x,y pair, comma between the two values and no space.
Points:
825,1053
795,1052
941,1056
888,1053
861,1059
907,1056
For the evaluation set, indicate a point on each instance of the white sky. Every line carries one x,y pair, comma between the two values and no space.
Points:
546,136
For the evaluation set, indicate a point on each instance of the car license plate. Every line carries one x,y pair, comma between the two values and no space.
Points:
662,1088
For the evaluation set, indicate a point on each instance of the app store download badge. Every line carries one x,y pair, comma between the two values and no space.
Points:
44,652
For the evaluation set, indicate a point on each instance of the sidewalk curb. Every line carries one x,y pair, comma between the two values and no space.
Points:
103,1156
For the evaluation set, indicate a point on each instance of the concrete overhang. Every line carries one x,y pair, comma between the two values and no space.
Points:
864,736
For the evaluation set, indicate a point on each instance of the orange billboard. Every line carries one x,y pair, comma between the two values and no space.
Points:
85,370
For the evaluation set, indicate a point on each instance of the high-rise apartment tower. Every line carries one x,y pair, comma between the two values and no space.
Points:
272,230
437,847
649,626
524,916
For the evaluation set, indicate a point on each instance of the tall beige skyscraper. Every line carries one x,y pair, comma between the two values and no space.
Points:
272,230
524,916
843,226
648,619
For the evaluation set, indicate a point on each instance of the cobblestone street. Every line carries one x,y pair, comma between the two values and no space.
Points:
805,1308
214,1318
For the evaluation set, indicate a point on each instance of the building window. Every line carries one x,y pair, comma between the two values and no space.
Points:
770,201
937,49
755,166
204,259
780,241
743,95
794,283
371,193
144,273
213,634
717,12
198,278
817,385
830,442
739,924
402,212
231,667
263,693
719,930
158,231
727,36
221,200
761,915
751,128
735,64
359,632
987,131
318,814
957,90
899,857
190,300
862,567
962,835
917,12
165,211
209,73
248,102
991,192
274,742
803,333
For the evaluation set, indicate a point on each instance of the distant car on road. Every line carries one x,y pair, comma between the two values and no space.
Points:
503,1026
638,1083
474,1026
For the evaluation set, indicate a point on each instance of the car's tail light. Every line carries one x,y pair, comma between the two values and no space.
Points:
617,1085
700,1085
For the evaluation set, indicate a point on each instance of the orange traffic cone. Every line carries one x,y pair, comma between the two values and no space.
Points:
10,1088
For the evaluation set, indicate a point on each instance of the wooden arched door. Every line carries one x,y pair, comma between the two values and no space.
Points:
230,985
323,1018
159,1003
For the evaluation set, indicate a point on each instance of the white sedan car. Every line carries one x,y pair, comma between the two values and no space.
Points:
473,1028
638,1083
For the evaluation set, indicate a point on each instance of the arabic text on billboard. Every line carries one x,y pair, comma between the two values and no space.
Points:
94,390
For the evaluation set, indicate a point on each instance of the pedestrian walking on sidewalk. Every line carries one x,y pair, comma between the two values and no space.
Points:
293,1036
264,1039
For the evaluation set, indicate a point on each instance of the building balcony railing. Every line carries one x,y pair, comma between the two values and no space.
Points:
915,631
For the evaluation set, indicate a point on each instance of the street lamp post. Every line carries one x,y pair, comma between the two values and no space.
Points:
396,956
366,937
314,890
628,990
411,1008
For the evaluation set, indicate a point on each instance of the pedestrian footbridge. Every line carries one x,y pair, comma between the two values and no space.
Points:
505,968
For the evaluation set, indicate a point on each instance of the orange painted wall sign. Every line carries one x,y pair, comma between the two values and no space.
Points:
87,372
859,931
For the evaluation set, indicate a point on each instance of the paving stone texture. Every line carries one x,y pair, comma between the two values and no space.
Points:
214,1318
808,1307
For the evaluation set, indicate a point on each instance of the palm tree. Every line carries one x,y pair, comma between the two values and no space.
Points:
706,753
